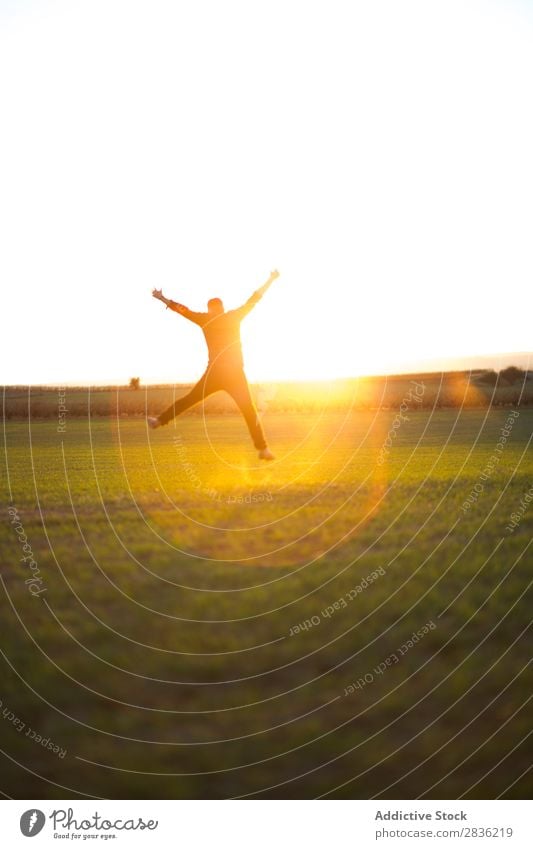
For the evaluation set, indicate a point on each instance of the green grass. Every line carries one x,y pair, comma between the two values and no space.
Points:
161,648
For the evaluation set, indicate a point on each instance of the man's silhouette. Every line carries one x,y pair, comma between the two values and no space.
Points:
225,369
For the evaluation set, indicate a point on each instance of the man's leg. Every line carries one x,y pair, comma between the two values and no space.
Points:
236,385
201,390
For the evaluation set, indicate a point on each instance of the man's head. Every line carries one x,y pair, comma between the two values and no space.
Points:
215,306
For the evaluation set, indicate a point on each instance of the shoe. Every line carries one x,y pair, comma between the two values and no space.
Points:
153,422
266,454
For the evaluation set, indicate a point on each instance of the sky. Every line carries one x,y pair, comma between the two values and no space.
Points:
379,155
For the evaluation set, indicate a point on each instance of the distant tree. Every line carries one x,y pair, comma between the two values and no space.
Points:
512,374
135,383
490,377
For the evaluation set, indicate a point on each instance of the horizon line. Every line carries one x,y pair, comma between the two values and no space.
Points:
367,376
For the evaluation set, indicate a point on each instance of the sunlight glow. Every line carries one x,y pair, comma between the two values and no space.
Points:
379,155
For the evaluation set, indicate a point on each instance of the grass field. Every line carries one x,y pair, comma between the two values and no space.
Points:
197,623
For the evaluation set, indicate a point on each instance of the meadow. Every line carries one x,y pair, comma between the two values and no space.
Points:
350,621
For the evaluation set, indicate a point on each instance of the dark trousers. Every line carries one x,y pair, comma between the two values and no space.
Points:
231,380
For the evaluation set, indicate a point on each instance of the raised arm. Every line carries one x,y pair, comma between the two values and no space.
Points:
257,295
196,317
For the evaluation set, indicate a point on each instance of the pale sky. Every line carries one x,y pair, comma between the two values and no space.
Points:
379,154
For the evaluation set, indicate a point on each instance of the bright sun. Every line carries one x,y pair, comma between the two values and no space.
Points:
382,161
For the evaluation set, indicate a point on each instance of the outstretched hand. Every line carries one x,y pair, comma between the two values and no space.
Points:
158,293
274,275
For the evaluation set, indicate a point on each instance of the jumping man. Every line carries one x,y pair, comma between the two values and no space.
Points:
225,370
